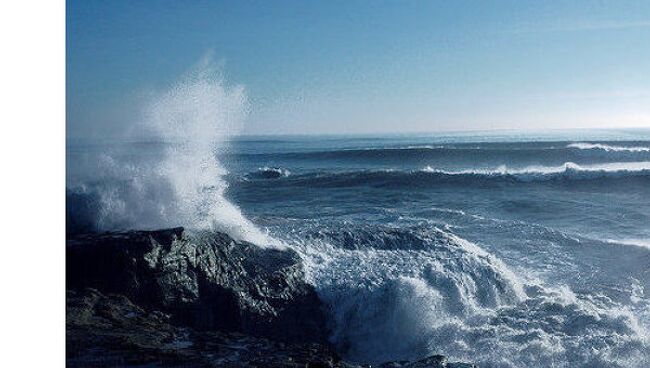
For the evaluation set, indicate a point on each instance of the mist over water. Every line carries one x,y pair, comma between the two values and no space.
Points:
505,251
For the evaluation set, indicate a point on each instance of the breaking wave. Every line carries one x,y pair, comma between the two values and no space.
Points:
608,148
401,284
388,178
401,293
569,170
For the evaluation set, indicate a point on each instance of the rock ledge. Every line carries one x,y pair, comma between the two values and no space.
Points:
171,298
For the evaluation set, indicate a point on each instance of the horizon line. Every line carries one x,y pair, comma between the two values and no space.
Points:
378,134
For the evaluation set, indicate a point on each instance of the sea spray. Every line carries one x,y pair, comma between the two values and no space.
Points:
181,184
199,113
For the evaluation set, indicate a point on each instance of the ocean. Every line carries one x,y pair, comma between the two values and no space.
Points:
506,249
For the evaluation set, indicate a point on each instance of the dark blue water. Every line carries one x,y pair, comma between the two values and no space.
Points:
504,249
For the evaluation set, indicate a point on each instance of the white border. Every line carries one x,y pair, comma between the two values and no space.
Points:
32,189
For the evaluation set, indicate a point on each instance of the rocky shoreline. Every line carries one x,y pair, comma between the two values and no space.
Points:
169,298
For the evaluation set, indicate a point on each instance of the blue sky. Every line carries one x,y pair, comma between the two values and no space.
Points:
369,66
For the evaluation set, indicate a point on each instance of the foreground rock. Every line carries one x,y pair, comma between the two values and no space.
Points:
206,281
172,299
111,331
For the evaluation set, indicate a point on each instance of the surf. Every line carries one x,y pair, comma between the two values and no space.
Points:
568,170
399,292
607,147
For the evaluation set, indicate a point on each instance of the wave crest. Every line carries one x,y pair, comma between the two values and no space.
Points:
607,148
568,170
404,292
383,289
428,176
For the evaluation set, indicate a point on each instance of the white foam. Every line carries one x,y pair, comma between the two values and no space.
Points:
643,243
568,170
606,147
390,303
452,297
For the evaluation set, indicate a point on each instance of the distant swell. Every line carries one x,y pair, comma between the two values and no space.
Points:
428,176
608,148
569,170
461,154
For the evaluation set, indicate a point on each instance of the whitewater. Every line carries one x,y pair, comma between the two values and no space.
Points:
503,250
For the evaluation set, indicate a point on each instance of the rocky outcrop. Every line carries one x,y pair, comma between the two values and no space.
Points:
171,298
110,331
206,281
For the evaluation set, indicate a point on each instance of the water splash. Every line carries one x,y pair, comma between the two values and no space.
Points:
184,185
201,112
398,292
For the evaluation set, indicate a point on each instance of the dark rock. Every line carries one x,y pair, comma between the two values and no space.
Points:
110,331
170,298
203,280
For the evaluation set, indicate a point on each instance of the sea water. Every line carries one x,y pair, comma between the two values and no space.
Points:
506,249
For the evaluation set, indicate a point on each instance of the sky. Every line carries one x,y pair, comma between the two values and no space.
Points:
358,67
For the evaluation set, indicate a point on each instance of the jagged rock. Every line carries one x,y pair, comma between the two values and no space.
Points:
169,298
110,331
203,280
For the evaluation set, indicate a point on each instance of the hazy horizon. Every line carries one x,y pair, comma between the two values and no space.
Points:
530,135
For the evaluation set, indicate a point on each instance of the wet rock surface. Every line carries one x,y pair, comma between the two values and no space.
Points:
173,299
110,331
206,281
